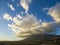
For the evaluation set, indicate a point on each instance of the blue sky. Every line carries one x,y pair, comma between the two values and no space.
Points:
38,8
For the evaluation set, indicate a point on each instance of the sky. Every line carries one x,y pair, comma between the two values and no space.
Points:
18,16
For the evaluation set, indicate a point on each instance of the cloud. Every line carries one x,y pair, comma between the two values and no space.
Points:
13,0
45,9
54,12
29,25
25,4
24,26
11,7
19,16
17,4
7,16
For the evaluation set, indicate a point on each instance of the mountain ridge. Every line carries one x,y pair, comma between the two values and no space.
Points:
36,40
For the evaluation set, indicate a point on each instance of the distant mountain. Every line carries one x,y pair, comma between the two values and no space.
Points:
42,37
36,40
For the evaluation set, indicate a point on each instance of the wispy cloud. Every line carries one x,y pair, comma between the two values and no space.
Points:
11,7
7,16
25,4
19,16
13,0
45,9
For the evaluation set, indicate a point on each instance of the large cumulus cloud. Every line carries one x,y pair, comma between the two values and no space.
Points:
29,25
24,26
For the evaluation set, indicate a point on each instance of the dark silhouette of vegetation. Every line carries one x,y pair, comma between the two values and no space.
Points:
36,40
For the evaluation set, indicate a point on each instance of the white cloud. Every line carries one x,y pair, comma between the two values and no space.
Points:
19,16
7,16
16,20
55,12
24,26
11,7
25,4
29,25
